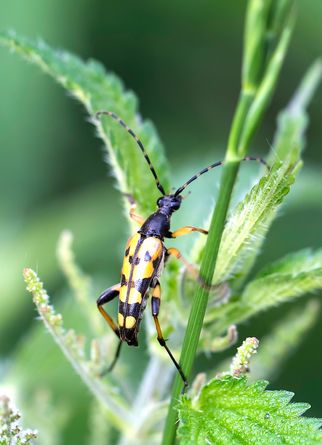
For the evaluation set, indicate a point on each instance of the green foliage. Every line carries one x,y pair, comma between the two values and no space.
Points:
294,275
89,362
10,430
249,222
228,411
271,56
247,226
266,38
258,86
73,347
98,90
242,238
276,284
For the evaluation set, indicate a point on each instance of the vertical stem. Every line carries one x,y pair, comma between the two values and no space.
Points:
244,102
200,301
258,84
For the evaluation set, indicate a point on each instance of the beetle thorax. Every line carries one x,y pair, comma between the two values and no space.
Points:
157,225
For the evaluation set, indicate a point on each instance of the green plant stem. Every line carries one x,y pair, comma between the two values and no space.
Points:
199,305
266,87
256,92
245,100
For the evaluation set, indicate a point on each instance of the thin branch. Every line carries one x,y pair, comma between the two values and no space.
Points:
119,413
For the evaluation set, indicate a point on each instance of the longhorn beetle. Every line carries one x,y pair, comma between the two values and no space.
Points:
144,258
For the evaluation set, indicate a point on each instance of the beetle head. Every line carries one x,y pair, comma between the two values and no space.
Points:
169,203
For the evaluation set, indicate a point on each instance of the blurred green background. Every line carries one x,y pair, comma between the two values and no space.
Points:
183,62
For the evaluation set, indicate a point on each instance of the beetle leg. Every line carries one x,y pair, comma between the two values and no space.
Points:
116,356
191,268
155,305
187,229
137,218
107,296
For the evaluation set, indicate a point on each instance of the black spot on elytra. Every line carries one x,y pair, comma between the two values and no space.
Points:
127,309
127,251
147,256
136,261
156,263
142,284
123,280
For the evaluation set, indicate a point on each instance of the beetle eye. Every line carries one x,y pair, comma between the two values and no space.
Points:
159,202
175,205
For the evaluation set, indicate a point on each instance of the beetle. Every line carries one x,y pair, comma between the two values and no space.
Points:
144,258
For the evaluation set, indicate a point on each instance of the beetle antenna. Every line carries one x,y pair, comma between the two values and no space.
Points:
138,141
210,167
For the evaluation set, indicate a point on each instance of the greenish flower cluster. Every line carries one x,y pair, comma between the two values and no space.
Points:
11,433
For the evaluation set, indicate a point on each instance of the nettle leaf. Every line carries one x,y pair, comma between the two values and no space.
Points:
288,144
251,219
249,222
294,263
98,89
294,275
229,411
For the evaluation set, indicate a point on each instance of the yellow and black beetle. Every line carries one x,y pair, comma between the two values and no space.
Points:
144,258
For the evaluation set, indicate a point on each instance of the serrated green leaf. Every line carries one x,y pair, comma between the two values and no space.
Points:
294,263
250,220
294,275
229,411
98,89
301,276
